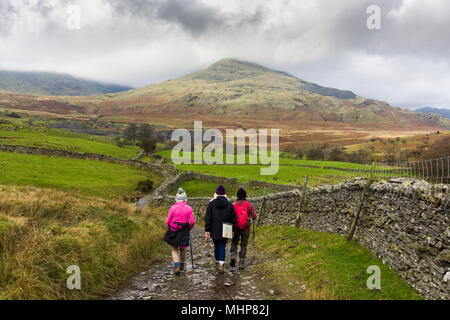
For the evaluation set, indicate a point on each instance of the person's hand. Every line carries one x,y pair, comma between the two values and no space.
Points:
207,234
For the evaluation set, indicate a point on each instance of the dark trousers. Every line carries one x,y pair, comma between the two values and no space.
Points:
240,236
219,249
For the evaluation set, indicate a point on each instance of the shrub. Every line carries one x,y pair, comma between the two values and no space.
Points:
290,151
145,185
144,131
13,115
299,153
336,153
316,151
149,145
360,156
130,133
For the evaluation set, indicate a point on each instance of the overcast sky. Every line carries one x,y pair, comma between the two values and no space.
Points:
138,42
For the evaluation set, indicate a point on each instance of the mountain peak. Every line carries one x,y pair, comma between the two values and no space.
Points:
232,62
231,69
228,70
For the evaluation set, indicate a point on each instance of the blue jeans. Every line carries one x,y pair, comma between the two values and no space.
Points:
219,249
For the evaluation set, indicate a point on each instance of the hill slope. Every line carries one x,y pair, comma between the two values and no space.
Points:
234,87
428,110
53,84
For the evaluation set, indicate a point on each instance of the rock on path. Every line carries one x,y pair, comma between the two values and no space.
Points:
202,283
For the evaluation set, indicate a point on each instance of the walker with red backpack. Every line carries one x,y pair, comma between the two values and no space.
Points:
242,216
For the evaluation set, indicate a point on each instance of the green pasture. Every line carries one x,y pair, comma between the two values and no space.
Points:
65,140
94,178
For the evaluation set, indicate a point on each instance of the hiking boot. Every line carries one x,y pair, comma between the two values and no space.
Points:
176,268
241,264
233,260
181,266
220,268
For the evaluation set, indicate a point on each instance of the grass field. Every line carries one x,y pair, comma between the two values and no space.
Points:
94,178
315,265
43,232
64,140
286,175
291,171
197,188
283,159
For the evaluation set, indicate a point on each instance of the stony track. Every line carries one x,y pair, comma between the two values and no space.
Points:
200,283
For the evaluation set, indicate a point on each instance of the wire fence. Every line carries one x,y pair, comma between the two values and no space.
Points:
428,179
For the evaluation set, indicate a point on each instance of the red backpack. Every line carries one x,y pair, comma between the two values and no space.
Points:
242,217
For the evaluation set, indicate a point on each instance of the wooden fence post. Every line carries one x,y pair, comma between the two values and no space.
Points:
300,207
363,197
261,208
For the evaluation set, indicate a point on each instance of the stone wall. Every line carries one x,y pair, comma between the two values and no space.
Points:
174,182
398,224
272,186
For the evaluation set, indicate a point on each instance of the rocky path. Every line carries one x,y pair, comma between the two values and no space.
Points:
145,200
202,283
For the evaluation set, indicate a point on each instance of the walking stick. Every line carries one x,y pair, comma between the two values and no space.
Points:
190,246
254,254
253,234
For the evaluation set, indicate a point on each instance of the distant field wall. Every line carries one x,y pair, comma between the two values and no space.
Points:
173,183
405,224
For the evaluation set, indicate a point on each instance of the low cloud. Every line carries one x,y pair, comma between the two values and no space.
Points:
7,15
192,16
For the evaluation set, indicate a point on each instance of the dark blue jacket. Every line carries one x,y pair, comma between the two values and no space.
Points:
219,210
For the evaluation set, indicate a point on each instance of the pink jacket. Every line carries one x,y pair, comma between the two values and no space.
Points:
180,212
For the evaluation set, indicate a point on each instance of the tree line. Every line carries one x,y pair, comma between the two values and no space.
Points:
328,152
393,152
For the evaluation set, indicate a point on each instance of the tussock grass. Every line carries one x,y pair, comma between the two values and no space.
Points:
304,264
42,232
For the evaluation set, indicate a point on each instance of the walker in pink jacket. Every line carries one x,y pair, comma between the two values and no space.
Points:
180,213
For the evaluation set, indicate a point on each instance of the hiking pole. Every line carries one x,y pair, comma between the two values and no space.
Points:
190,246
253,234
254,253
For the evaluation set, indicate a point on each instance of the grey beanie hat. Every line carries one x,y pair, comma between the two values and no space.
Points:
181,195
